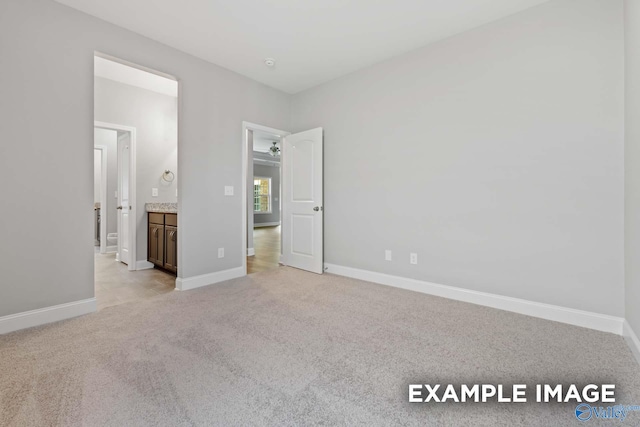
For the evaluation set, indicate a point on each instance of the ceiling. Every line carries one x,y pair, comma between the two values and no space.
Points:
262,141
311,41
132,76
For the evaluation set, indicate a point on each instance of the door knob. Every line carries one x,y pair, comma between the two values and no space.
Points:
119,208
317,208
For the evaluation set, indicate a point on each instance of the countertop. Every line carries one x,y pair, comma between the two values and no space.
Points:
161,207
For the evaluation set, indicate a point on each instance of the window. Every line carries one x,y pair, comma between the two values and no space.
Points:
262,195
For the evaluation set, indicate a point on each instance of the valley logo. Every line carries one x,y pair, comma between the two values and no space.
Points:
585,412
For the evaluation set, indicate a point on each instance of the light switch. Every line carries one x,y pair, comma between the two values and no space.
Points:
228,190
154,192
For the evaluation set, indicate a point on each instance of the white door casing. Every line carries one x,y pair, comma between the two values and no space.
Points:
302,200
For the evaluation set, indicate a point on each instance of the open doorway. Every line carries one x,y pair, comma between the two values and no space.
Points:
264,209
301,210
135,172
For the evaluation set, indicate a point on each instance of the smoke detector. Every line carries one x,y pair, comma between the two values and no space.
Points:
269,62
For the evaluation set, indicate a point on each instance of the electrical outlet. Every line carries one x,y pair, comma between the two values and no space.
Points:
413,258
387,255
228,190
154,192
220,252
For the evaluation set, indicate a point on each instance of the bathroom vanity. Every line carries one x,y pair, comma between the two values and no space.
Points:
162,246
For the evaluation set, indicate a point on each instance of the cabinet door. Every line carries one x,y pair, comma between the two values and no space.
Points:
171,248
156,244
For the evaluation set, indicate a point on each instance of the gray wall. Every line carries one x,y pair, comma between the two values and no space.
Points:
496,155
46,117
155,117
109,139
272,172
632,165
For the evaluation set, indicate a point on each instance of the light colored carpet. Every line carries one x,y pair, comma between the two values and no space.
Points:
286,347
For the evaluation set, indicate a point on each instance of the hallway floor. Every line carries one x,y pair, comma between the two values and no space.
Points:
266,242
117,285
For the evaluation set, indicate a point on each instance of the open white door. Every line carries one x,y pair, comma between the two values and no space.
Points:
124,206
302,201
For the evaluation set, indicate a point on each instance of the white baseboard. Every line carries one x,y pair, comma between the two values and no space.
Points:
265,224
251,251
41,316
632,339
111,249
586,319
143,265
187,283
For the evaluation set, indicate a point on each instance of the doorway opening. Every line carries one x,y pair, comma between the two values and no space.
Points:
135,171
264,209
283,212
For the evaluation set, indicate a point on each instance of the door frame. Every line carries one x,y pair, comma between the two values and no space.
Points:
103,196
132,186
247,126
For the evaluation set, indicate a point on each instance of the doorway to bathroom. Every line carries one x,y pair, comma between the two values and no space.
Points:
135,182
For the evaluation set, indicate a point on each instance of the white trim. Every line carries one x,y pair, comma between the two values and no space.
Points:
137,66
185,284
103,195
143,265
111,250
632,340
586,319
132,184
41,316
251,251
246,126
265,224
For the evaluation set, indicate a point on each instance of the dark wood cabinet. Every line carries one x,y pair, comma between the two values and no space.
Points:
156,244
162,249
171,248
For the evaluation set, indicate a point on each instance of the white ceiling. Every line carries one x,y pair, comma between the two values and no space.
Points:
312,41
133,76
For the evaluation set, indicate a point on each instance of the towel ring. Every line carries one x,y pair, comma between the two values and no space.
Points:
168,176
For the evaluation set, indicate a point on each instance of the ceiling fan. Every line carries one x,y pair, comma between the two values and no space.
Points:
274,150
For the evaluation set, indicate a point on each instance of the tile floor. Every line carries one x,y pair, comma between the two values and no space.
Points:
116,285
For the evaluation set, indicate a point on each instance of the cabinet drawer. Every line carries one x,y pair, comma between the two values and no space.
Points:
171,219
156,218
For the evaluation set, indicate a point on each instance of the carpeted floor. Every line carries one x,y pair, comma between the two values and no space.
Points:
285,347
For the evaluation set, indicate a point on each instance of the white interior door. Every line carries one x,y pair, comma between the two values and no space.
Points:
302,201
124,207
